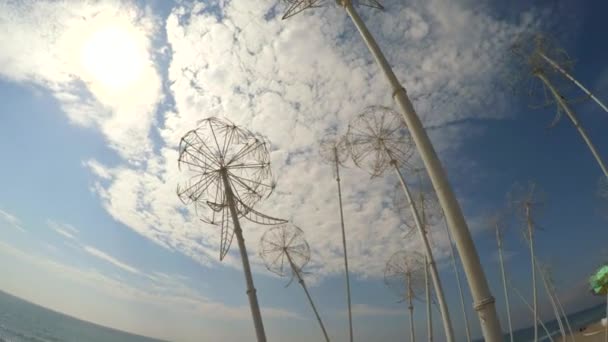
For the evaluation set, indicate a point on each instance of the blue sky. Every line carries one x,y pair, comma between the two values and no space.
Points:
95,102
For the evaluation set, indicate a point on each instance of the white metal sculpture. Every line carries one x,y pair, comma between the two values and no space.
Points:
378,140
524,201
334,151
483,299
285,252
229,172
432,217
538,57
403,275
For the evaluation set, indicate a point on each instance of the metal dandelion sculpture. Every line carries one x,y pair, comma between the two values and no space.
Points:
431,215
524,201
484,302
285,252
403,275
229,170
378,140
333,150
538,57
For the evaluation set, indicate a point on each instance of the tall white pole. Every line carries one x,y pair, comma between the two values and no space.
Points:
443,307
484,302
350,316
568,76
504,281
564,105
455,266
312,304
429,312
410,305
238,232
532,262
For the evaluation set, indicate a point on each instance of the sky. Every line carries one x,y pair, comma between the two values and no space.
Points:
97,94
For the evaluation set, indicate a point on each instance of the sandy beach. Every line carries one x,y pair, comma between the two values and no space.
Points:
592,333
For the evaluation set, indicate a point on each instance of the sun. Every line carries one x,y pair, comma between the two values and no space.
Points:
112,56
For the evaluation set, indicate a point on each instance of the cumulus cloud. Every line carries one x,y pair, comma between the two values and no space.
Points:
291,81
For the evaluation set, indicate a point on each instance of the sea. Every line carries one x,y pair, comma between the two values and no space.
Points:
22,321
577,320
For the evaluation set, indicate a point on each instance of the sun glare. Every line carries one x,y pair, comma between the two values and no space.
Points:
113,56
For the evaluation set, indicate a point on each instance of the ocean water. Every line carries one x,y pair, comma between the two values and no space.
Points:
577,320
21,321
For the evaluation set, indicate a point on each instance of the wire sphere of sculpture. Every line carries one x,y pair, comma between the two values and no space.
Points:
216,150
531,52
377,138
296,6
427,204
334,148
526,202
218,146
529,49
405,270
284,249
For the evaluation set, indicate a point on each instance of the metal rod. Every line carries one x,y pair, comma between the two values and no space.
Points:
410,306
532,262
552,301
562,102
443,307
504,281
429,313
561,309
461,294
350,316
538,321
312,304
568,76
484,302
251,292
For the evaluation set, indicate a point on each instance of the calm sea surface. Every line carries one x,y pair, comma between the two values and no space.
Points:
21,321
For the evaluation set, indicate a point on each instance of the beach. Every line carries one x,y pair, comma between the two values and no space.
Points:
592,333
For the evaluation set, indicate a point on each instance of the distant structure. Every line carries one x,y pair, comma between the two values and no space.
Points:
484,302
403,275
229,170
285,252
334,151
524,201
497,222
432,216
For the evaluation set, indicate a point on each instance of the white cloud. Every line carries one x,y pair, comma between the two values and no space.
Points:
11,220
62,51
64,229
293,80
108,258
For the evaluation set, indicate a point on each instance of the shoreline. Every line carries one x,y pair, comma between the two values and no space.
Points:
594,332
